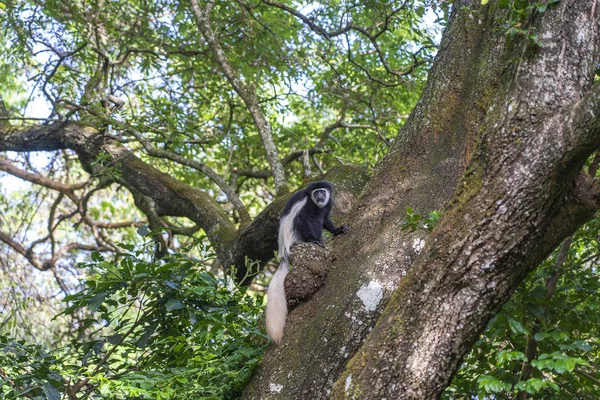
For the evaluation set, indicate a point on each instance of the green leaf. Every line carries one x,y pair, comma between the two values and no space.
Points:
114,339
174,304
146,336
517,327
50,392
96,301
533,385
491,384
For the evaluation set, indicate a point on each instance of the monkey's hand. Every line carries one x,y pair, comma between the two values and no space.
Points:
319,242
341,230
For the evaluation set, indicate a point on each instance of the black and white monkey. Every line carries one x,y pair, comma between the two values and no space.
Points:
303,218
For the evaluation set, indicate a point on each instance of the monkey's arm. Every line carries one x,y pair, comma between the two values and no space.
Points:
329,225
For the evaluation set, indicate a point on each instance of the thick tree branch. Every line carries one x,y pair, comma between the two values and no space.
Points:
420,171
216,178
583,124
246,92
520,197
170,196
158,194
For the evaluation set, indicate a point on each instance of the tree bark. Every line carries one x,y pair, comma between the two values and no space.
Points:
498,138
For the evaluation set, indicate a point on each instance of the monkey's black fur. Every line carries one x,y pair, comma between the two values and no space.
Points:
311,219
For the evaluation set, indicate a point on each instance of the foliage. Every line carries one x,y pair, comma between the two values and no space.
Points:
414,221
561,326
519,15
160,329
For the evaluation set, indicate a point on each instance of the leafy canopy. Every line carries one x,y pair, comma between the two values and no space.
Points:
165,329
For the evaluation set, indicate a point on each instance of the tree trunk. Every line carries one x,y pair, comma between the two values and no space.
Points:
498,139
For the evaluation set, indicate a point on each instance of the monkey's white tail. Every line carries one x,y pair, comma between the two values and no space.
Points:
276,303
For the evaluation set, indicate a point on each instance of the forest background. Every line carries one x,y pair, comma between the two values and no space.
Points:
147,149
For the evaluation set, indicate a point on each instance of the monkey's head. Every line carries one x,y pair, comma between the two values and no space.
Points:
320,192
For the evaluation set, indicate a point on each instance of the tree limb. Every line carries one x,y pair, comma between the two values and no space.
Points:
45,265
265,174
39,179
216,178
583,124
521,195
246,92
170,196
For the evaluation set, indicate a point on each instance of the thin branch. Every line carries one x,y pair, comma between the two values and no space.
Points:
317,164
118,225
45,265
590,377
331,127
216,178
298,153
265,174
560,260
531,347
27,119
80,384
61,57
306,164
309,22
372,37
39,179
19,248
365,70
104,244
246,92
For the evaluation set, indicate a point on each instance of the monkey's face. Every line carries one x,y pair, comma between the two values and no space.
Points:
320,197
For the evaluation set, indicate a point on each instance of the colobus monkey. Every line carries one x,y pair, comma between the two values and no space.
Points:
303,218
